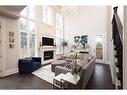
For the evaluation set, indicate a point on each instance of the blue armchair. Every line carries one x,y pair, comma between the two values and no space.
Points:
28,65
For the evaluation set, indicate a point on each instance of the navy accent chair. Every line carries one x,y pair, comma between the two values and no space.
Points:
28,65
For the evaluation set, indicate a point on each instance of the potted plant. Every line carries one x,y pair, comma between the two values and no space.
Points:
64,44
76,71
40,45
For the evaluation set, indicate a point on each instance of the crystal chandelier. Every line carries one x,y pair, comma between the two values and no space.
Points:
68,10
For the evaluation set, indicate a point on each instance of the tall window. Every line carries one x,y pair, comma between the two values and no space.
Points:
59,33
47,15
27,29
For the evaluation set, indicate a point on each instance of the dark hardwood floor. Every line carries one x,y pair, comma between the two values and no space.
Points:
101,79
24,81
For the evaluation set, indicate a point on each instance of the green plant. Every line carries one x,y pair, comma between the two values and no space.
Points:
40,44
99,45
76,70
64,43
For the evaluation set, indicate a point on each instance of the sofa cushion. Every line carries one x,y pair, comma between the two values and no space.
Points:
82,62
81,56
26,60
58,63
89,57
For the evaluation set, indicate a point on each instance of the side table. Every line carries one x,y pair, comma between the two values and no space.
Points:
64,81
57,81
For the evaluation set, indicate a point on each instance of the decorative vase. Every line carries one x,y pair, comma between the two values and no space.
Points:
75,76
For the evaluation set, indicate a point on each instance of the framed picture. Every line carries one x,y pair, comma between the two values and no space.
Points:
11,34
77,39
11,45
84,38
11,40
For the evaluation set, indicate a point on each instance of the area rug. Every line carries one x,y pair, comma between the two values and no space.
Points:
45,73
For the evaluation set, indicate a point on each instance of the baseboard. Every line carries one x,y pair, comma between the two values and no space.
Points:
112,75
11,71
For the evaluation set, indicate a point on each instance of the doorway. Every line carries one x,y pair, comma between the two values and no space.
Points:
99,48
2,46
0,51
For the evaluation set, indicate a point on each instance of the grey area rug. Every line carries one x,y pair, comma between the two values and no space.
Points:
45,73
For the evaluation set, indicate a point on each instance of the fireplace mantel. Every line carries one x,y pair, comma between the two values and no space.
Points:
47,48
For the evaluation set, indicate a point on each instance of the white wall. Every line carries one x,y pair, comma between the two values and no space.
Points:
44,29
121,13
11,55
88,20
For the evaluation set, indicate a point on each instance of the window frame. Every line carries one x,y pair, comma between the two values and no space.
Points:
28,19
48,15
60,35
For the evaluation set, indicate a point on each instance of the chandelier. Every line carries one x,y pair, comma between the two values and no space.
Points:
68,10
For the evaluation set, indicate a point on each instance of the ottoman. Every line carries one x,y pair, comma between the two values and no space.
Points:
58,63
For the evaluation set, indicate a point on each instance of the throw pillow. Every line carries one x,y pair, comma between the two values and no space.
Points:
90,57
83,62
81,56
70,65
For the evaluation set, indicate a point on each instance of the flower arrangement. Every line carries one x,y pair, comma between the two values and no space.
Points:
40,45
64,43
75,68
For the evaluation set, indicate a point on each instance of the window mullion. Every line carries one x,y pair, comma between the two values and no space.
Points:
59,32
28,35
47,15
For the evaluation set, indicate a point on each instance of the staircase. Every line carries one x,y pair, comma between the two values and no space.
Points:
117,35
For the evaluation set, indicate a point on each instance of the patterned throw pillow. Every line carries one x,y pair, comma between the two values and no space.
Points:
70,65
82,62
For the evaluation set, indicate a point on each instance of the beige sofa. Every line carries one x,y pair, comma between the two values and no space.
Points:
87,68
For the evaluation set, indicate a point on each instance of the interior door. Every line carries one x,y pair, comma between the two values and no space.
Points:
99,48
2,45
0,50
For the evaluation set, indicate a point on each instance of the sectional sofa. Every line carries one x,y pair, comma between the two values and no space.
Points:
87,65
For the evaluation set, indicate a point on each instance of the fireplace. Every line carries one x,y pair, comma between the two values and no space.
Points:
48,55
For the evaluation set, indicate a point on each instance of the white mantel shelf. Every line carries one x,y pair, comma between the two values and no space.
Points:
48,47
